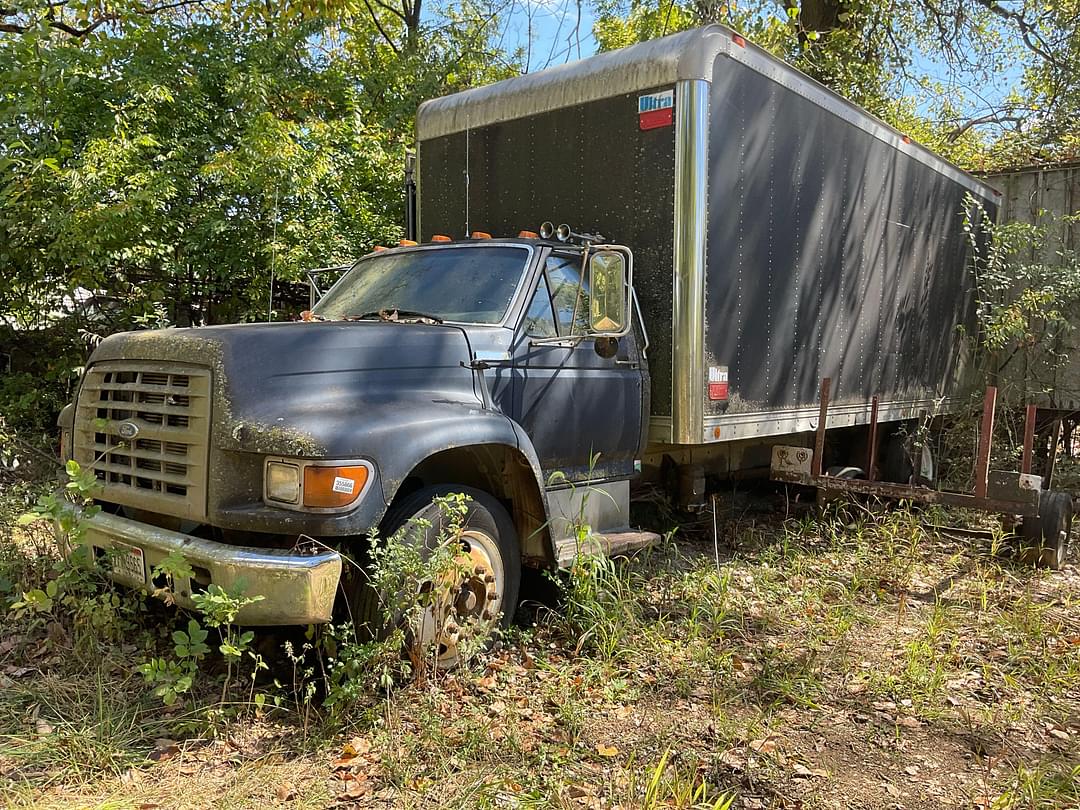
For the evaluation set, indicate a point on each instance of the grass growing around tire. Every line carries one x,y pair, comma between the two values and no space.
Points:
855,659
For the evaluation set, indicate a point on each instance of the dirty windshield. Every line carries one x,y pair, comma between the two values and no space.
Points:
471,284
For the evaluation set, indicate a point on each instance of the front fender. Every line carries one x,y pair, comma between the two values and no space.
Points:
397,438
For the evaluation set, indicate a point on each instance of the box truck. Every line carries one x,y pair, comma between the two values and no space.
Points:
727,233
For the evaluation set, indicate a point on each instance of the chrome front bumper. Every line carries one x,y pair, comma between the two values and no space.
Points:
296,588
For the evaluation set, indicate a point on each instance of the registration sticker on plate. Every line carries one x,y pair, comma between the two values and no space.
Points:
128,562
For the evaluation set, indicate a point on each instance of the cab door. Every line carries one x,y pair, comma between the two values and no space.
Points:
579,400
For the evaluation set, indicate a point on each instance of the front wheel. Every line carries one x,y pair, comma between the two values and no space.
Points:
484,582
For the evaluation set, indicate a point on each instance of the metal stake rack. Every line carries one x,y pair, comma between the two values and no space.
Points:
1016,494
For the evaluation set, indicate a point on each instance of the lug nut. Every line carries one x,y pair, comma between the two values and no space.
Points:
479,570
489,578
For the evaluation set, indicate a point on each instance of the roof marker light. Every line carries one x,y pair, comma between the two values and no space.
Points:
907,139
377,248
528,235
738,40
481,235
439,237
406,243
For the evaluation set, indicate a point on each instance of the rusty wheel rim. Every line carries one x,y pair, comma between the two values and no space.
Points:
475,594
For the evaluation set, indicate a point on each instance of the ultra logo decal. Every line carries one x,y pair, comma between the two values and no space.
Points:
718,383
656,110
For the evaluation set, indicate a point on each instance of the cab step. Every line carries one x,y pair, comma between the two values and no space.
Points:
610,544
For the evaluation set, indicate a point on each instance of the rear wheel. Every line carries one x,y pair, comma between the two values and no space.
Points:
485,581
1046,539
907,461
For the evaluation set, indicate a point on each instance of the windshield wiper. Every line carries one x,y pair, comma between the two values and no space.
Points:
395,315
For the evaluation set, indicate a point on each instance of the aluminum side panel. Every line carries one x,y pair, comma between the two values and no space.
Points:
830,253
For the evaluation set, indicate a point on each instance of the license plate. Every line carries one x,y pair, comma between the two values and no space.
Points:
128,562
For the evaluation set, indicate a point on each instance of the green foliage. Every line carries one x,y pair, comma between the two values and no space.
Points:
911,63
69,596
172,678
1026,306
416,576
181,164
599,605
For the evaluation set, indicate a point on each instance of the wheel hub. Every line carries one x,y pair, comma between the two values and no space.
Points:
472,595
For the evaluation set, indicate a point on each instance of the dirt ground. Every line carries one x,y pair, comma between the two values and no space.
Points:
863,659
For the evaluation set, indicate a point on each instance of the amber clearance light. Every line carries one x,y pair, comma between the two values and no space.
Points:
333,487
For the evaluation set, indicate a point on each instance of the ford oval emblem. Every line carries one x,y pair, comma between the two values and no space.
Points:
127,430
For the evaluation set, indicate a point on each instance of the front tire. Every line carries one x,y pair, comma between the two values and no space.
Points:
490,565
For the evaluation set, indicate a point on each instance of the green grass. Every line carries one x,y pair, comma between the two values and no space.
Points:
815,654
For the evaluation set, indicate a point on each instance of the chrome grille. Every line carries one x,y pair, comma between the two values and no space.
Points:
144,429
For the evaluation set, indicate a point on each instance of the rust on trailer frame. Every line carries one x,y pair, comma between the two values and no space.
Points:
908,492
799,465
1029,439
823,415
986,435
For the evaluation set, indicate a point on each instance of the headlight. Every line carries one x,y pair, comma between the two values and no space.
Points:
316,485
282,482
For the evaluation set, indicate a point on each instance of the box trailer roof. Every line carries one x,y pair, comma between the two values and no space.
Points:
688,55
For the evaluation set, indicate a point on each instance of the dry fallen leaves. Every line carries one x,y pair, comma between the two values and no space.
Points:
286,792
606,750
764,746
800,771
1056,731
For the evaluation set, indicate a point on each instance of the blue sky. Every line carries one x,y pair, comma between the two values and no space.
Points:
550,32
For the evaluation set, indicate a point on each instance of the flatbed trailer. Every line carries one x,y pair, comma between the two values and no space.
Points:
1044,516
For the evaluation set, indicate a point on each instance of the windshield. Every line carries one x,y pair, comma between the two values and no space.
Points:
472,284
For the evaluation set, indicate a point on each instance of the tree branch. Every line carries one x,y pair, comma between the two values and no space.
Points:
378,24
992,118
1029,33
391,9
49,17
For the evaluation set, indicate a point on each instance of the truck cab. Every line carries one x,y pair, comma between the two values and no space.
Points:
511,369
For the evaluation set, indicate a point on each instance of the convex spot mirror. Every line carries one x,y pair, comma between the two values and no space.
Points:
607,292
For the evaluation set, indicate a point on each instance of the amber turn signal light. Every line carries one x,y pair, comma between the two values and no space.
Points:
439,237
333,487
528,235
406,243
481,235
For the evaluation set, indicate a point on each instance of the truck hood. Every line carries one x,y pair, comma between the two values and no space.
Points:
290,388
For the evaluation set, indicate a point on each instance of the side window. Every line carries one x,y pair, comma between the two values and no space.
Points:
538,320
569,294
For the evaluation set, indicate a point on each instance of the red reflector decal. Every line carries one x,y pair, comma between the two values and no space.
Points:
718,383
654,119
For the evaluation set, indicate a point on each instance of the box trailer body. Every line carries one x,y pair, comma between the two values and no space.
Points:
781,234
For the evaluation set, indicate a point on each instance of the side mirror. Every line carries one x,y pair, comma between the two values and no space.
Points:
608,313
